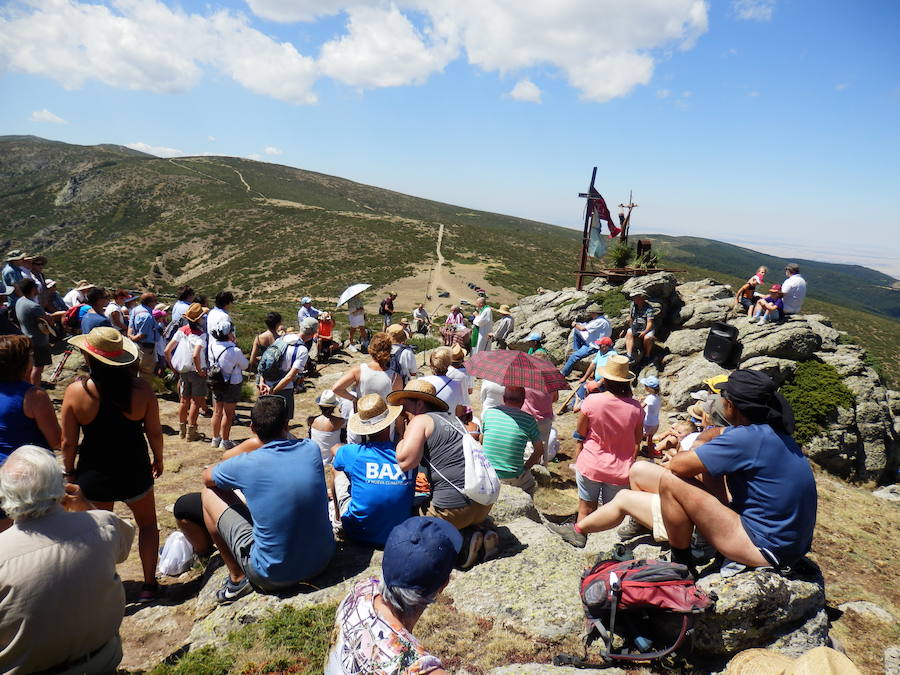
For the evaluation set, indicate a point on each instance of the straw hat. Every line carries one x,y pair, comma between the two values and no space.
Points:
15,255
327,399
818,661
162,307
83,285
441,358
616,369
504,310
107,345
404,321
457,353
395,330
696,411
421,390
372,415
194,312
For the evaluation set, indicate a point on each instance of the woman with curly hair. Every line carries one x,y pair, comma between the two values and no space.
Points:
373,377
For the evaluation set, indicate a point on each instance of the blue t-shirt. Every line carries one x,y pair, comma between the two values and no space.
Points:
380,492
284,483
771,484
600,361
91,320
142,322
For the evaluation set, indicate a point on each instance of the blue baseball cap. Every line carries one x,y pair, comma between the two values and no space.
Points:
420,553
534,336
651,381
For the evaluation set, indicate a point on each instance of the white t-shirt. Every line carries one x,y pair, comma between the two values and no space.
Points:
688,441
407,359
111,309
448,390
491,395
230,359
295,356
420,313
73,298
465,383
216,319
596,329
652,404
794,289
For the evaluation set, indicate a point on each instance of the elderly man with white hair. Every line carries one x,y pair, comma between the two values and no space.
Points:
61,601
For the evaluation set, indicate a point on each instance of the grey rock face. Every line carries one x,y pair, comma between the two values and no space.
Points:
703,314
685,342
793,340
682,375
889,492
512,504
777,369
892,661
869,610
658,286
705,289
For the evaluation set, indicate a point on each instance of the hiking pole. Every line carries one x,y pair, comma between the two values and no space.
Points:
59,367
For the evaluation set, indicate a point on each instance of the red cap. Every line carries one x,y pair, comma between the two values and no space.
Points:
604,341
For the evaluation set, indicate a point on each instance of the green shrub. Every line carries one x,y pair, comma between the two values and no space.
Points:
620,254
613,301
815,392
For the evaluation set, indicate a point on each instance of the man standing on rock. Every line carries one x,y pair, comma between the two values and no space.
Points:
794,289
484,322
585,335
386,309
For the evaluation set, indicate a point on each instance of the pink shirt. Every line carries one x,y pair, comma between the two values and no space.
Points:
608,450
538,404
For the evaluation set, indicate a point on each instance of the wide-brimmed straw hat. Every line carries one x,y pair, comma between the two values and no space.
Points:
107,345
162,307
504,310
422,390
818,661
616,369
696,411
194,312
15,254
372,415
395,330
457,353
83,285
327,399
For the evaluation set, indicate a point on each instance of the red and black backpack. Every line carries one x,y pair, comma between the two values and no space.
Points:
649,604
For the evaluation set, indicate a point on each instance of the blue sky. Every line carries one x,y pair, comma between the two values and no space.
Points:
770,123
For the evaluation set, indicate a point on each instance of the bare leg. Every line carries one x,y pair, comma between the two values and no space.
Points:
197,535
215,501
629,342
645,476
227,419
649,341
685,504
144,511
36,372
217,418
585,509
183,407
196,404
625,503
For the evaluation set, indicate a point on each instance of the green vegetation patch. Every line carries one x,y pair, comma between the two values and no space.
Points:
815,392
290,640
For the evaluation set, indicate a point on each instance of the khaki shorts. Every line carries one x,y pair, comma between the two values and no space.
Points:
524,481
191,385
463,516
659,527
148,361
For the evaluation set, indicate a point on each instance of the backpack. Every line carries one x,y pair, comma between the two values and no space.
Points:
183,356
395,363
215,376
72,319
382,308
172,327
648,603
481,483
269,366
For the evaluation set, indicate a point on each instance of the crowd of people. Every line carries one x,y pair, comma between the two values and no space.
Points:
384,463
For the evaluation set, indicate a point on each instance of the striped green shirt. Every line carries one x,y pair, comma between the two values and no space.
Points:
506,431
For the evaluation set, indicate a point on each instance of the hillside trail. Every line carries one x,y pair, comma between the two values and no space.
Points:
224,166
436,275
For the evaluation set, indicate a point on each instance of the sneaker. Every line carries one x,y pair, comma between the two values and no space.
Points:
215,442
568,533
471,548
491,545
182,429
231,591
206,413
227,445
149,592
631,528
193,434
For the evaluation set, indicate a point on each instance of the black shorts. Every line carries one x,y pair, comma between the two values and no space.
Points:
189,507
42,356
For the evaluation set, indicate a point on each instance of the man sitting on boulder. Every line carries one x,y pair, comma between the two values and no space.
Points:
507,429
640,325
772,513
584,335
282,535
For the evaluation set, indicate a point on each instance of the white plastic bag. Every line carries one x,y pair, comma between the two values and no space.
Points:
481,482
177,555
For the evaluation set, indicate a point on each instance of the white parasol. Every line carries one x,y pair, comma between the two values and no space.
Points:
352,292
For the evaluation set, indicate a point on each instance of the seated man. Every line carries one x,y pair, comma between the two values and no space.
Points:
506,430
372,493
61,601
584,335
282,535
640,325
374,623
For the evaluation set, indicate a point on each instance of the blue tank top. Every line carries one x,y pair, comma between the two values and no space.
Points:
15,428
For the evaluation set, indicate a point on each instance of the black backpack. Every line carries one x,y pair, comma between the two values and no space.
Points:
382,308
215,376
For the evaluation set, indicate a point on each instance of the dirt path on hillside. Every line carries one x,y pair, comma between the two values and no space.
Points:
436,275
225,166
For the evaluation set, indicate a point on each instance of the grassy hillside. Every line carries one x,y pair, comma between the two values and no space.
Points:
849,285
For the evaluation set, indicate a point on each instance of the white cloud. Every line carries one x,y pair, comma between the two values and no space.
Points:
211,139
753,94
289,11
158,150
663,93
146,45
526,90
841,86
753,10
46,116
382,48
270,150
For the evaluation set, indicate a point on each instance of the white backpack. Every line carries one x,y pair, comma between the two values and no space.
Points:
481,482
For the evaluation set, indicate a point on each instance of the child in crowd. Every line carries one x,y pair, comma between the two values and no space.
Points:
746,296
760,275
651,405
668,442
770,308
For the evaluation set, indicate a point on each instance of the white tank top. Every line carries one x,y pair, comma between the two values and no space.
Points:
373,381
325,439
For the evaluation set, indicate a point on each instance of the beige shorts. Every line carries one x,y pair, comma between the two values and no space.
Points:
524,481
659,527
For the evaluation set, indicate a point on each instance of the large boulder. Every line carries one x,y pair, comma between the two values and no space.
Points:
683,374
702,314
704,290
758,608
793,339
685,342
822,327
512,504
778,369
657,286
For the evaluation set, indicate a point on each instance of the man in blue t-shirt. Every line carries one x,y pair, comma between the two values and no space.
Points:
282,535
372,493
772,513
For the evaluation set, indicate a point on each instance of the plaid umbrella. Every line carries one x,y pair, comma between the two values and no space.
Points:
516,369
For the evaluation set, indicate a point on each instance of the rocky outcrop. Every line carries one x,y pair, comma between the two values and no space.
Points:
860,442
